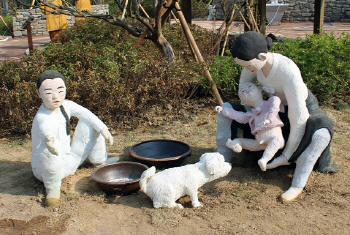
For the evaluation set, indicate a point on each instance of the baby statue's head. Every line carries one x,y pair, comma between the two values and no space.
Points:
250,94
51,89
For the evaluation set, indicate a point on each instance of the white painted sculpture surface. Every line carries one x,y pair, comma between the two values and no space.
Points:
264,122
275,12
167,186
310,132
211,11
54,155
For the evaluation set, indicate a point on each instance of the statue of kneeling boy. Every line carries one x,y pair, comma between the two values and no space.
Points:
54,155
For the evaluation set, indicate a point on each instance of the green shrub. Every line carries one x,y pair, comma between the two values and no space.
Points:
3,29
125,88
199,10
324,63
225,73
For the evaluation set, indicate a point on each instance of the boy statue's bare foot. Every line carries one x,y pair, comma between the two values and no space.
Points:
234,145
52,197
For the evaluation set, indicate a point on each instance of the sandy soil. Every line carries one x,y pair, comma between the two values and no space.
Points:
243,202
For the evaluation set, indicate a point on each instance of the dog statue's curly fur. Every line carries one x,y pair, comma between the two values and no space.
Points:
167,186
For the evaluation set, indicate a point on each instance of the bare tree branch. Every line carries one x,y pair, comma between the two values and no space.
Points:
152,32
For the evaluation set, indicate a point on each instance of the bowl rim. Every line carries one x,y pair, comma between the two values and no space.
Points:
95,178
132,154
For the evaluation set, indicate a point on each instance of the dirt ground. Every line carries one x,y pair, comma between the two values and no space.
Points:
243,202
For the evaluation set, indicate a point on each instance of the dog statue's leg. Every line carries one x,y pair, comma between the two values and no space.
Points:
166,197
167,204
194,198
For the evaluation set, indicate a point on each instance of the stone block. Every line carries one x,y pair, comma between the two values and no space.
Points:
17,33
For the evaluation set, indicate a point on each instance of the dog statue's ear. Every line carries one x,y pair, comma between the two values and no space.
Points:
202,158
212,165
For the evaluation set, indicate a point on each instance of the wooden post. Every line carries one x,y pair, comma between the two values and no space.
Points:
27,25
318,16
262,14
187,31
186,9
30,38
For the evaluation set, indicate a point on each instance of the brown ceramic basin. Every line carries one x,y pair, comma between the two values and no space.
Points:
120,177
161,153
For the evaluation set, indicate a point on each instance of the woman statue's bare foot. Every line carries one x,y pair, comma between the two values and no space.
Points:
291,194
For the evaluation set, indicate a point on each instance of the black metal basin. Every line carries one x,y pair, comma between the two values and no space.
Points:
161,153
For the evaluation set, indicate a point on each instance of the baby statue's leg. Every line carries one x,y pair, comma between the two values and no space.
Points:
305,163
87,142
235,145
271,149
248,144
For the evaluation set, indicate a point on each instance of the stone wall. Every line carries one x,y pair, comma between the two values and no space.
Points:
303,10
39,22
335,10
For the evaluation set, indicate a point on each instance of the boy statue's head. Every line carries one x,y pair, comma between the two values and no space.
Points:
51,88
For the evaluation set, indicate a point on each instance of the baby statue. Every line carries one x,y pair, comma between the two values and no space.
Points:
54,155
263,120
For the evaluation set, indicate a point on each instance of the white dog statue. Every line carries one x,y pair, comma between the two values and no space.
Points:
167,186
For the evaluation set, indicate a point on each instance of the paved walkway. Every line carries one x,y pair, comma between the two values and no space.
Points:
15,48
290,30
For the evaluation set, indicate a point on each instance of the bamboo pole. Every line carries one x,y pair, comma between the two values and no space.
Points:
143,10
227,33
245,21
187,31
253,18
32,4
227,26
3,21
124,9
172,13
225,42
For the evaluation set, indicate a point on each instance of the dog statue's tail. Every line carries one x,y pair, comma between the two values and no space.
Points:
146,175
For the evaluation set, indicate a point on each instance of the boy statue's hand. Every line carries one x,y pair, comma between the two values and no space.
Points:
50,143
107,135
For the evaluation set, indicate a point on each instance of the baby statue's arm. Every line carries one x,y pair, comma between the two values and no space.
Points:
230,113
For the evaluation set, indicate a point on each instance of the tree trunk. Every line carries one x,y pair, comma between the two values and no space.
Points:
165,48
